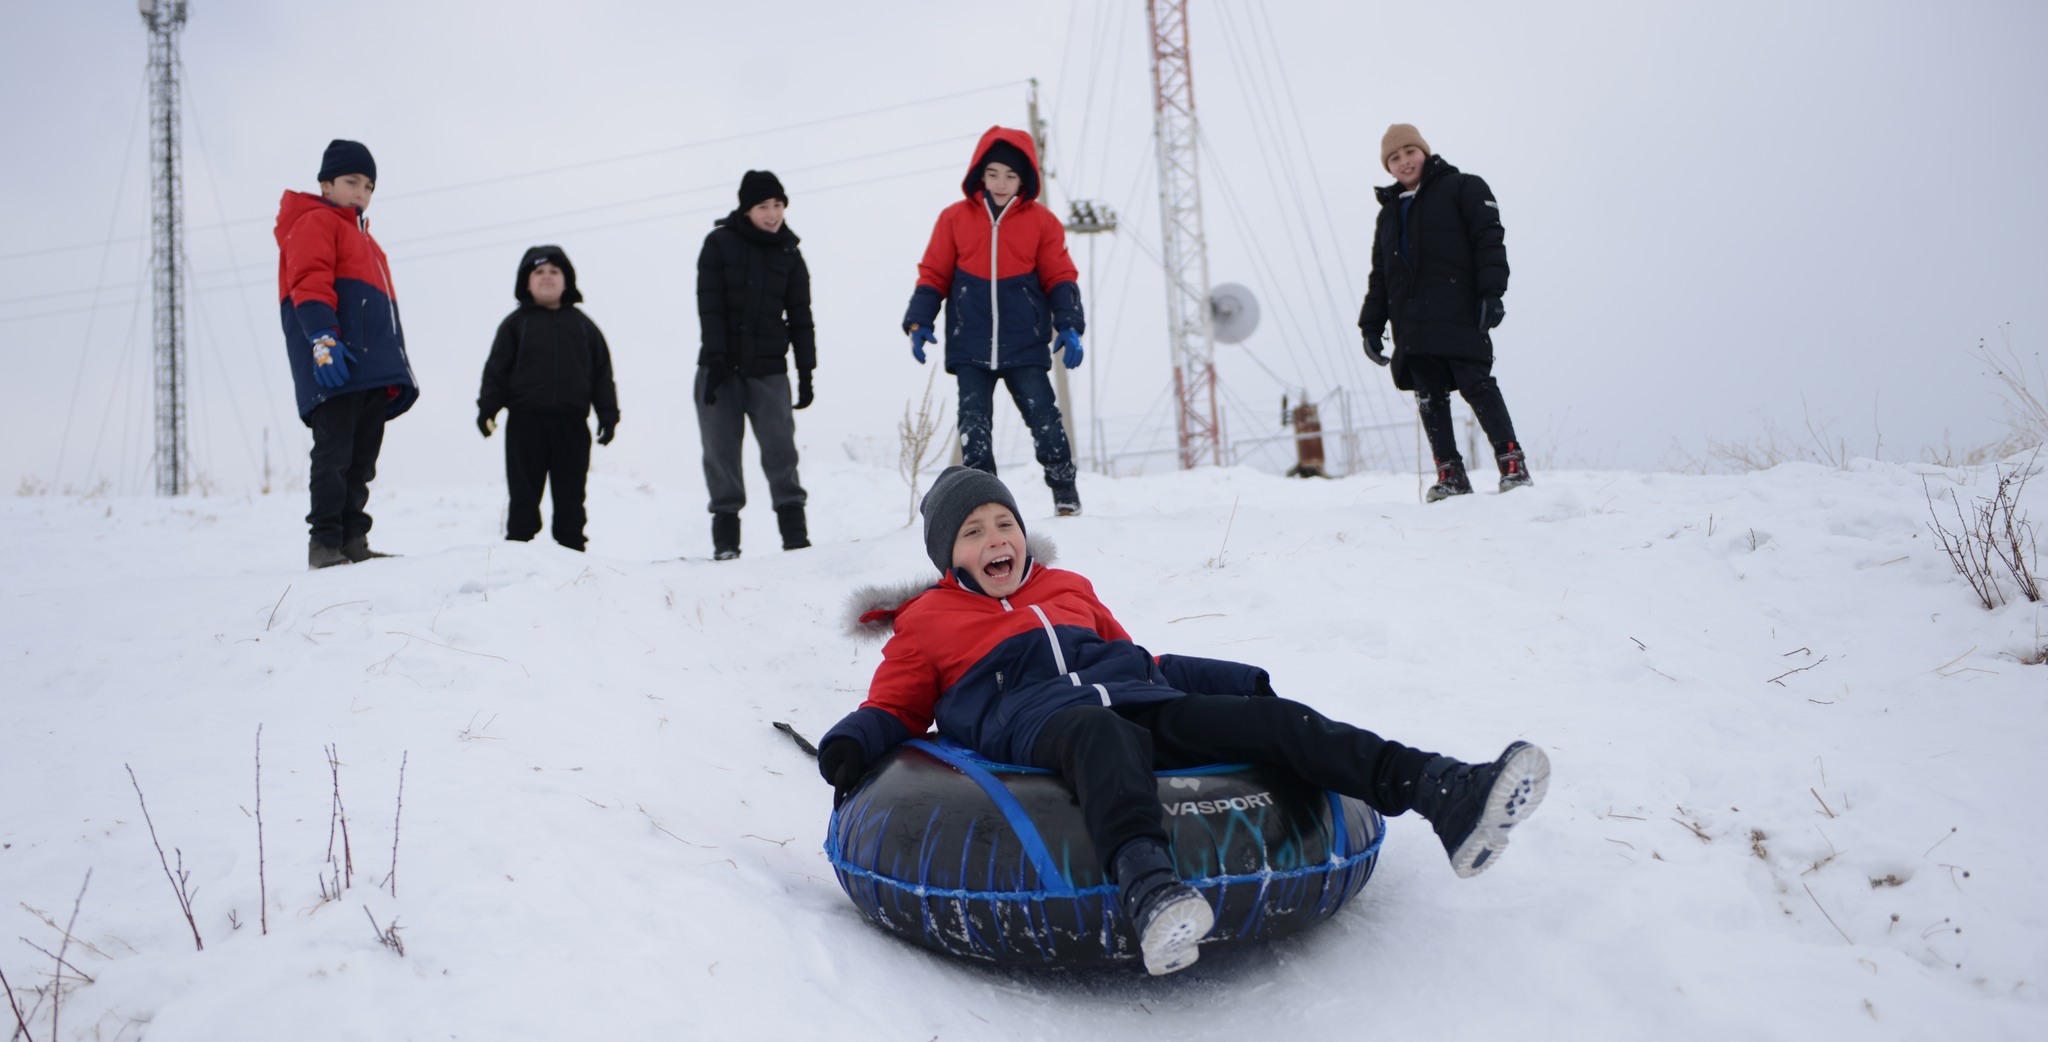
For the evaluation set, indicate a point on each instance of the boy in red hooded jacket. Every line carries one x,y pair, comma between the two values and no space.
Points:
998,260
346,348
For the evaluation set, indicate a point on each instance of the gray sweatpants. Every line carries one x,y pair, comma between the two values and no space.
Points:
763,401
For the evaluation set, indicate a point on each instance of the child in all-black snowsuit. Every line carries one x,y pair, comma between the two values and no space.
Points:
1439,270
753,307
347,352
998,260
1022,663
550,366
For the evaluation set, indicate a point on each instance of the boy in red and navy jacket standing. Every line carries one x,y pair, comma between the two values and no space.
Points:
998,259
346,348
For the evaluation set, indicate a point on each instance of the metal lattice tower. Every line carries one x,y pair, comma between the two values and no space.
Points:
164,18
1186,250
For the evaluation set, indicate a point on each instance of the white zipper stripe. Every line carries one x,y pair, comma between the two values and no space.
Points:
995,308
1059,658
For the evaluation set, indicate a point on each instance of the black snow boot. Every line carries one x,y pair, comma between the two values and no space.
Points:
358,550
1473,806
725,537
1450,481
1066,500
1169,916
795,535
1514,470
320,555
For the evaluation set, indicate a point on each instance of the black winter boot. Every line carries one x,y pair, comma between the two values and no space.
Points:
725,537
1473,806
319,555
357,550
1450,481
1066,500
1169,916
1514,470
795,535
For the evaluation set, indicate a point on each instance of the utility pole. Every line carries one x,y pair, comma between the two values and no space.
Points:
164,18
1188,321
1059,371
1092,217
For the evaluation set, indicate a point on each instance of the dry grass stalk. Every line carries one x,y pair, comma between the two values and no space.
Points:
181,880
392,879
337,814
914,434
20,1021
57,987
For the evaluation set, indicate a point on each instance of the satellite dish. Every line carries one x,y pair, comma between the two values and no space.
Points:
1233,311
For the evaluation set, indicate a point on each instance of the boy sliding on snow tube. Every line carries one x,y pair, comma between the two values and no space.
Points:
1022,663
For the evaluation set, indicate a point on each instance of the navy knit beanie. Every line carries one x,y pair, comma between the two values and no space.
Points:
551,254
759,186
958,492
347,157
1013,157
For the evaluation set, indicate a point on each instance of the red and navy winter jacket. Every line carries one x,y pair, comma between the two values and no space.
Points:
991,670
332,275
1005,277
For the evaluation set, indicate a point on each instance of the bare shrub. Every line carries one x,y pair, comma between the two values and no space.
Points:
1994,536
914,434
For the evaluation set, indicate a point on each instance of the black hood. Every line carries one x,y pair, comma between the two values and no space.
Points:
1432,168
549,255
739,222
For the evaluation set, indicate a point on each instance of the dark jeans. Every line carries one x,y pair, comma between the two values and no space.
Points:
348,432
1107,754
764,402
550,449
1031,388
1435,379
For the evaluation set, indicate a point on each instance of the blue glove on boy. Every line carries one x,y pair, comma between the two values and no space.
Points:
330,359
1070,343
920,336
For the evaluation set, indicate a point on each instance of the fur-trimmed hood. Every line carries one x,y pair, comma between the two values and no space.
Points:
871,610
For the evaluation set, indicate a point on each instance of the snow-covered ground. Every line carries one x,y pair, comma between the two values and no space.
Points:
1794,793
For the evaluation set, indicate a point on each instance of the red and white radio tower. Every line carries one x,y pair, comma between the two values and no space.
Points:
1188,320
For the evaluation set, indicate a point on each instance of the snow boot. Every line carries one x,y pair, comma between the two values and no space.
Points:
795,534
1514,470
320,555
725,537
1473,806
358,550
1169,916
1450,481
1066,500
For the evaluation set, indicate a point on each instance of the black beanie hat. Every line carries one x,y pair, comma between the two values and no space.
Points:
539,255
1013,157
346,157
958,492
759,186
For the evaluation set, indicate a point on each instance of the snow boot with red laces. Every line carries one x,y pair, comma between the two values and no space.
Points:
1450,481
1514,470
1169,916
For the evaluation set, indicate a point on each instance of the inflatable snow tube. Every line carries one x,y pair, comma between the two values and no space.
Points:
992,862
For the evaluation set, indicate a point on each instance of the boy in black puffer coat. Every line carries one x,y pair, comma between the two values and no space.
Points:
550,366
1439,270
753,306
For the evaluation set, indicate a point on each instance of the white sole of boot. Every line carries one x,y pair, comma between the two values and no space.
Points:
1524,779
1172,941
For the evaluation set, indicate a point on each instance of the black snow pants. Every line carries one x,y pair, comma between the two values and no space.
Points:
1107,755
551,449
348,432
1435,378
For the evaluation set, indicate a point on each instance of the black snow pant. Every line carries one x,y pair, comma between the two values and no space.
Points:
1435,378
1031,388
1107,755
551,449
348,432
721,426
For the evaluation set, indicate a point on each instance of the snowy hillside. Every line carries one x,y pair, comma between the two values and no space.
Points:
1793,795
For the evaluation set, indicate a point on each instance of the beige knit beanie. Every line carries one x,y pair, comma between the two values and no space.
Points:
1399,135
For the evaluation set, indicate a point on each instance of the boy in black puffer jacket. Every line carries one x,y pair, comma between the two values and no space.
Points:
550,366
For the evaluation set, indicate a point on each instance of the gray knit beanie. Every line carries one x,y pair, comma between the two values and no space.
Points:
958,492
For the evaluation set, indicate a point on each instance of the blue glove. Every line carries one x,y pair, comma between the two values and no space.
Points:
330,359
920,336
1070,343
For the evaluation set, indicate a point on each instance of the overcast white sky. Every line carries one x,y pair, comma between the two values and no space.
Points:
1723,219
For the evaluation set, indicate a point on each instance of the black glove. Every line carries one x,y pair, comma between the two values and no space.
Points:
1491,311
486,422
1375,345
804,397
842,762
711,382
605,430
